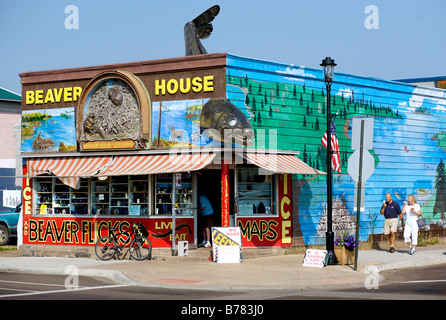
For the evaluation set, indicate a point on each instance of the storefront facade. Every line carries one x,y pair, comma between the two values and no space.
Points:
109,145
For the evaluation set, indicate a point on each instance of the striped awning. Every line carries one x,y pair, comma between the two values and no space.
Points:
280,163
70,169
160,163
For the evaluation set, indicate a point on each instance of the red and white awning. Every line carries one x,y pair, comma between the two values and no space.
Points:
281,163
160,163
70,169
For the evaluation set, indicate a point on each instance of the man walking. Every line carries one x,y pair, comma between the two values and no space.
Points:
391,211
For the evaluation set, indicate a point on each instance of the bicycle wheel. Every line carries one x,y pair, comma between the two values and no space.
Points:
105,248
140,248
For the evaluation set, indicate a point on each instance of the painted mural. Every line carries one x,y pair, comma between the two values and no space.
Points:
50,130
176,123
409,140
199,123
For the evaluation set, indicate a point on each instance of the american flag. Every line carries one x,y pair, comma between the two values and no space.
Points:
335,156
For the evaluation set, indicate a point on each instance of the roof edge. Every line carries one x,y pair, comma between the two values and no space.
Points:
146,66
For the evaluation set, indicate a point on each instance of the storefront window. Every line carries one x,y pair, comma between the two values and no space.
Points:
139,195
100,197
180,184
255,192
54,197
79,198
116,195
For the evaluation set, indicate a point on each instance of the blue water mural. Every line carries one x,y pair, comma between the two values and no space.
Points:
55,126
409,127
400,180
180,123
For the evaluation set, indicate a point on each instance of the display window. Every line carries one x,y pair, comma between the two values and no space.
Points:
255,192
178,186
133,195
54,197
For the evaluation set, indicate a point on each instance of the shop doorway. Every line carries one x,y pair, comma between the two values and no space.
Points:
209,184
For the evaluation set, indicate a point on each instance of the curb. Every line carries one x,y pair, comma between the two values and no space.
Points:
112,275
406,264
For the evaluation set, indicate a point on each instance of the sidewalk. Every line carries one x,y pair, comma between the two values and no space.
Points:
270,272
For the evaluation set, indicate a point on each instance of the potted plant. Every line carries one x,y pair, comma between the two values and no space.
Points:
345,249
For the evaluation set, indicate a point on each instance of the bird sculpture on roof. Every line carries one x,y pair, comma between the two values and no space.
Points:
220,119
199,28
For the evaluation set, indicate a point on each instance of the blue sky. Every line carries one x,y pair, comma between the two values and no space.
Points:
409,43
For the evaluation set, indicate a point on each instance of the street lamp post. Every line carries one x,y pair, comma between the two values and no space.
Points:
328,64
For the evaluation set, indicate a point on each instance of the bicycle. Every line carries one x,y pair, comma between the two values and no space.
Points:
140,248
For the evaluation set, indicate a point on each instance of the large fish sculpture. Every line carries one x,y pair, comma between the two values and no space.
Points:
221,120
199,28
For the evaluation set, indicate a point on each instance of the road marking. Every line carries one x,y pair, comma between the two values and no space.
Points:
9,289
34,283
61,291
171,280
424,281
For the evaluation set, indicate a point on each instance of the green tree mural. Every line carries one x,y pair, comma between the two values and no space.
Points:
298,113
440,186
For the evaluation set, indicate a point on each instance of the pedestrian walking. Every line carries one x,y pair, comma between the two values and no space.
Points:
412,212
391,211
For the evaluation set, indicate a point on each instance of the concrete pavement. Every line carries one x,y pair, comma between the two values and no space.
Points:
256,273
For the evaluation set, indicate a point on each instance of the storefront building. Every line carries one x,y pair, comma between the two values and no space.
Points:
109,145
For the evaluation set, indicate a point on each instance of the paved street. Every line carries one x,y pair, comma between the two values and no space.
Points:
44,287
267,287
428,283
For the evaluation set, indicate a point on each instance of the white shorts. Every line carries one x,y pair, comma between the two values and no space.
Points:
411,229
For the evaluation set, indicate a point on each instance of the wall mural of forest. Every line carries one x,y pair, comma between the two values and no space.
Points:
409,140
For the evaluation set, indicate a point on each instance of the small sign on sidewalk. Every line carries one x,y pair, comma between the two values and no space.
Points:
228,254
315,258
227,244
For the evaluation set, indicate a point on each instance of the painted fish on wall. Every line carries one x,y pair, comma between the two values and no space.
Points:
222,120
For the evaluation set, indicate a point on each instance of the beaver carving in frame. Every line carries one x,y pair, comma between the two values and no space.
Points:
114,112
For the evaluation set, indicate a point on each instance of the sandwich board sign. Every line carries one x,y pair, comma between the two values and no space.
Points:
226,244
315,258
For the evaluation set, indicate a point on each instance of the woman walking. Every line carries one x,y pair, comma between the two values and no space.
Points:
412,211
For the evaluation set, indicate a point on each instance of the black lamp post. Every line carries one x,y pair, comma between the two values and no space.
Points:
328,64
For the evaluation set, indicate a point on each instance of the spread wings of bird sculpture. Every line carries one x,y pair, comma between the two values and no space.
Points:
220,119
199,28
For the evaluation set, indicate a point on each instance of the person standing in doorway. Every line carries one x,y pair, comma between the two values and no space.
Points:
207,214
391,211
412,212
